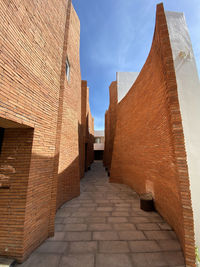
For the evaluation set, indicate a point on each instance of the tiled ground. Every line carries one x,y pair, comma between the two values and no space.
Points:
105,227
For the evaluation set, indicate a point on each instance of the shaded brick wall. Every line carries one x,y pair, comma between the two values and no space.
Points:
87,126
90,134
90,137
14,171
84,92
35,39
107,139
149,151
110,130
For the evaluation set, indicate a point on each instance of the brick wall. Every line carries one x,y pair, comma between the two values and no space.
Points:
88,129
90,137
149,151
110,130
68,171
107,139
14,163
41,112
84,92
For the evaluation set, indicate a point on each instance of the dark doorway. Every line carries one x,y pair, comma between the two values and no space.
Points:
98,155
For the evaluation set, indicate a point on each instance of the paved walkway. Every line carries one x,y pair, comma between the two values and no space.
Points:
104,227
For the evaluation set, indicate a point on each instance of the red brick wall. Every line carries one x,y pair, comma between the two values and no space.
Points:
107,139
88,129
14,163
112,122
35,38
68,171
84,92
90,137
149,152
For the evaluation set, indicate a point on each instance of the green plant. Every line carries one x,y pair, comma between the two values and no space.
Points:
197,254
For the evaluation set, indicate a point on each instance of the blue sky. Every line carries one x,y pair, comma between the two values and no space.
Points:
116,35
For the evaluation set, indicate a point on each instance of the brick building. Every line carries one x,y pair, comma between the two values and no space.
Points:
41,120
152,134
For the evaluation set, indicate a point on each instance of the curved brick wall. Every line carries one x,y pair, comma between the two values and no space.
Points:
149,151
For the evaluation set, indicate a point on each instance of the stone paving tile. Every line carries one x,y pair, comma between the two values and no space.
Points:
74,220
59,220
164,226
105,227
169,245
110,205
62,214
95,219
77,236
88,205
123,205
155,219
144,246
113,197
147,226
138,219
124,226
149,259
81,214
75,227
113,247
139,212
84,201
120,213
104,209
99,227
118,201
175,258
102,200
58,247
131,235
100,214
122,209
160,235
117,220
59,227
59,236
86,209
82,260
41,260
106,235
113,260
83,247
73,205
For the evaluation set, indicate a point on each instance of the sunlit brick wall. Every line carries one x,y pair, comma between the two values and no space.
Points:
35,39
69,165
149,151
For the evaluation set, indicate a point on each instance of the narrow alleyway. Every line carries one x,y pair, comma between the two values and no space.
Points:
104,227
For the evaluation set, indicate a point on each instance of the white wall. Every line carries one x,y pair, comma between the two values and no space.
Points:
98,133
125,80
99,146
189,100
